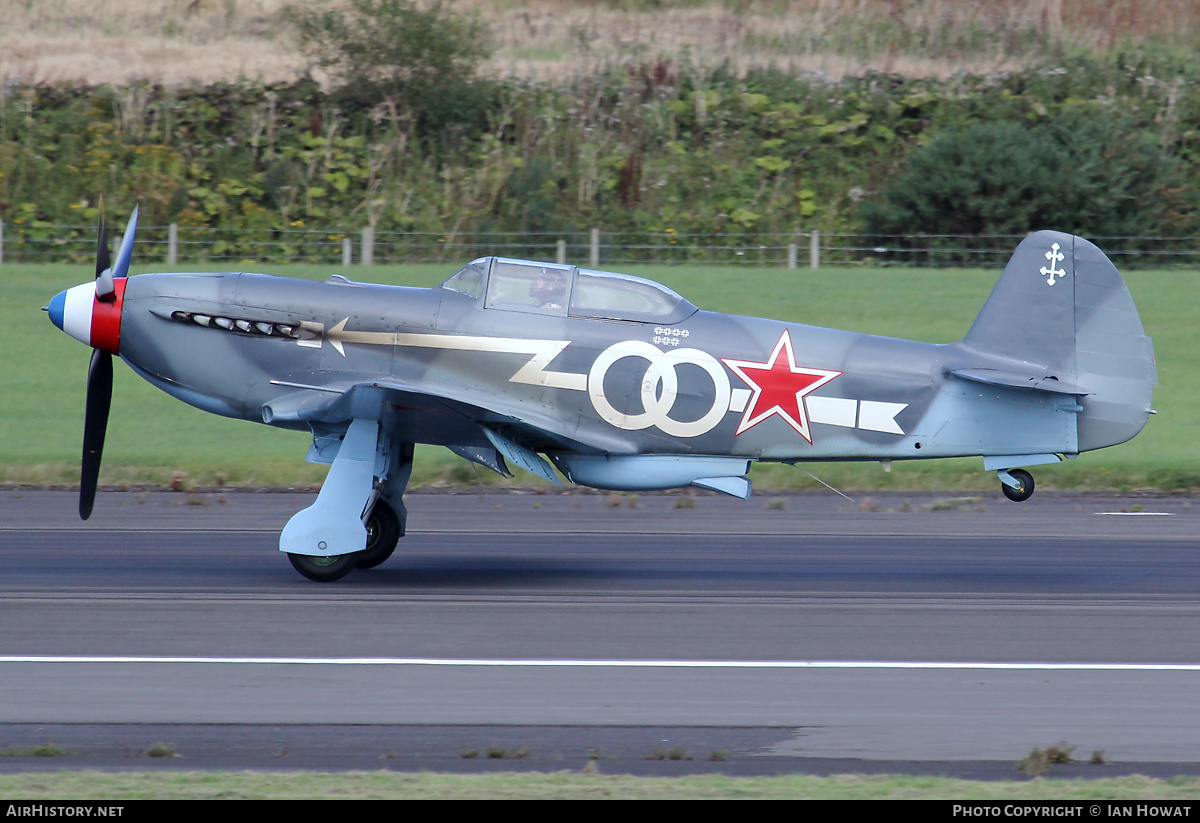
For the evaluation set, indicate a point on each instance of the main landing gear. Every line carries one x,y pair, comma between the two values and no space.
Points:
331,538
1017,485
383,533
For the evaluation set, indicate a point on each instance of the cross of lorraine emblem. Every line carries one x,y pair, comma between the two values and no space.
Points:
1054,256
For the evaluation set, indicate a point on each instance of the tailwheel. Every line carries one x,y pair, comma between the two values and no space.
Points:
1024,489
383,532
324,569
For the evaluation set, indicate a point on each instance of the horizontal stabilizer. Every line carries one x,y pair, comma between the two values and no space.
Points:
1015,380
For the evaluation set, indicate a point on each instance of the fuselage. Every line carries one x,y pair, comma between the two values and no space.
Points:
697,383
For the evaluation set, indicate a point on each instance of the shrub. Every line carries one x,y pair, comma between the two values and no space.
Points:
420,63
1081,172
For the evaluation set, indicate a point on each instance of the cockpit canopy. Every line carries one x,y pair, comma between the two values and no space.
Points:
553,289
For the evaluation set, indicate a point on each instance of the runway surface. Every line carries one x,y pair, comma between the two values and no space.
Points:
657,634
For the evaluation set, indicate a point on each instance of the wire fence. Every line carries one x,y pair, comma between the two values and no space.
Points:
41,243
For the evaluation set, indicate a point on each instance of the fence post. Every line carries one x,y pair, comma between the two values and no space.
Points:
791,260
562,252
347,251
366,255
594,256
1,242
814,250
172,244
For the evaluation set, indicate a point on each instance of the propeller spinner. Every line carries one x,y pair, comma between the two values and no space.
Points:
91,313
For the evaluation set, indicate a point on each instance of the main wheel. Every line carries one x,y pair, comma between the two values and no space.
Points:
1026,488
383,532
324,569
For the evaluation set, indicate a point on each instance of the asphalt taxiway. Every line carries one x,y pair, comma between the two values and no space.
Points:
932,633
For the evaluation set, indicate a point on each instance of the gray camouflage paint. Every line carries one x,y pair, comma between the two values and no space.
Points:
648,393
435,365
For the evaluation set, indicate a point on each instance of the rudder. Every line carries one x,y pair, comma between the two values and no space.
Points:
1061,311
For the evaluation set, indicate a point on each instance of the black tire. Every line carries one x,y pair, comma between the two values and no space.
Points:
324,569
1024,492
383,533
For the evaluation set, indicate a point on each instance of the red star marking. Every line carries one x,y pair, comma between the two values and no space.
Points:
779,387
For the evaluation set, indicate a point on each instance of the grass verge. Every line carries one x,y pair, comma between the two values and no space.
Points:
572,785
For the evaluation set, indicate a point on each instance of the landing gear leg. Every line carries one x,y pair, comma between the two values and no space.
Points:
323,540
388,518
1017,484
383,532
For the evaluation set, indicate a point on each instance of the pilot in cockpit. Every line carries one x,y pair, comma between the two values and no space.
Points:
549,288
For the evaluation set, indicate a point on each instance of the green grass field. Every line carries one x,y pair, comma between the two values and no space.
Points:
573,785
153,438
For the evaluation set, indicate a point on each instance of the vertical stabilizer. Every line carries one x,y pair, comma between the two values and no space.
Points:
1061,311
1030,315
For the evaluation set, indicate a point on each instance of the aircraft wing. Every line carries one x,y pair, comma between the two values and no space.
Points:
419,415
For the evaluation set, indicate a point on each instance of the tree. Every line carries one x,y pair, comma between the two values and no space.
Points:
1083,172
420,63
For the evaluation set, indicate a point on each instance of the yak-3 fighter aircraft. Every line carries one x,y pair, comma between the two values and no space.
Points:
616,381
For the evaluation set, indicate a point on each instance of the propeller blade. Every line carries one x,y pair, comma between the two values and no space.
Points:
125,253
104,277
103,260
95,422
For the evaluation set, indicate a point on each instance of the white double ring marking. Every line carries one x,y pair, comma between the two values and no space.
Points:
660,387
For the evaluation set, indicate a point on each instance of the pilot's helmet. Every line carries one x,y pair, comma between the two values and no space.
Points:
549,287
